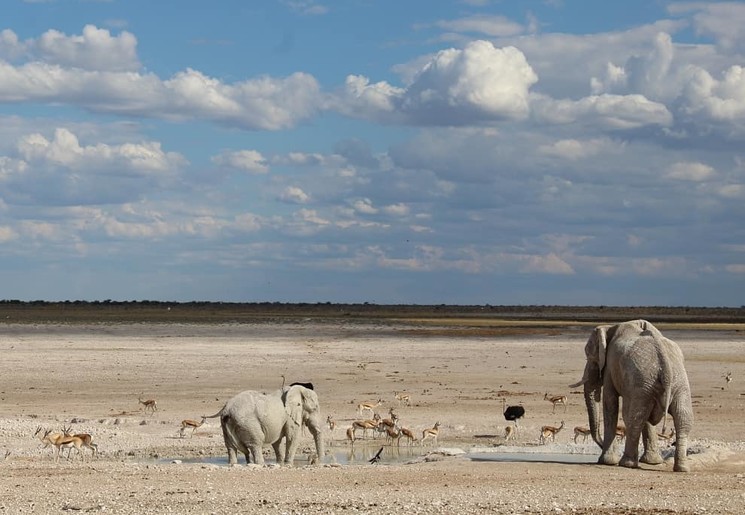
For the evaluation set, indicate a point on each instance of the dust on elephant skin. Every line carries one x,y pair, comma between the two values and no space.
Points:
252,419
635,361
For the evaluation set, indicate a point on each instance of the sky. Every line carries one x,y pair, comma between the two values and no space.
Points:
541,152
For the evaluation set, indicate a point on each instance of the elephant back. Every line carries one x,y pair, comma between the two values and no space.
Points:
256,411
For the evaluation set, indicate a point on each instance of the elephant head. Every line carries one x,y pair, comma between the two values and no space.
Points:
592,379
302,408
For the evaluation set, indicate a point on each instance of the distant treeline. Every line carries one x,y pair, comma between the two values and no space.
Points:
207,311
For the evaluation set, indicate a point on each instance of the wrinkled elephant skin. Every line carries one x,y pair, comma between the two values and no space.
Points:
252,419
635,361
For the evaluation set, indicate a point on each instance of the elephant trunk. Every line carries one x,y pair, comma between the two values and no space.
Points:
592,390
316,431
593,412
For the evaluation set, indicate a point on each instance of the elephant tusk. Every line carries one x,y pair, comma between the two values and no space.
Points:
581,382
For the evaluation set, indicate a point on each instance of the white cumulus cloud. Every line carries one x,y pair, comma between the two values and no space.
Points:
98,72
694,172
546,264
721,100
63,170
606,111
454,87
94,49
396,209
725,21
64,149
364,206
574,149
294,195
247,160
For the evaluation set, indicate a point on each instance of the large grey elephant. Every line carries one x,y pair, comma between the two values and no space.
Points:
251,419
635,361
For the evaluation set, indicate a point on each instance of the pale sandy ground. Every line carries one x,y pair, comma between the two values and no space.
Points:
91,376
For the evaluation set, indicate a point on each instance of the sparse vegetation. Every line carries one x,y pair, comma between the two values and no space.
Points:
474,318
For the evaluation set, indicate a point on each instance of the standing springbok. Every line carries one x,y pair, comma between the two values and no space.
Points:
65,441
350,436
150,404
364,425
86,441
550,432
509,433
331,423
402,398
431,432
369,406
47,437
582,431
556,399
189,423
408,434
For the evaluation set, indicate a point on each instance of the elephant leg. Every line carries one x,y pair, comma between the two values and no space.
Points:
317,433
277,446
681,450
292,445
630,456
610,420
230,443
232,456
651,454
241,448
634,421
258,456
683,419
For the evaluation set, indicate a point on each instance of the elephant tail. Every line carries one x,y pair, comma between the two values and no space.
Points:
668,395
667,380
216,414
228,432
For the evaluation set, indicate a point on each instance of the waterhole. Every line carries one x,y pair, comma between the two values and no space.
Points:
362,454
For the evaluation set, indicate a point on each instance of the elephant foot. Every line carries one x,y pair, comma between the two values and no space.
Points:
652,458
681,467
628,462
608,459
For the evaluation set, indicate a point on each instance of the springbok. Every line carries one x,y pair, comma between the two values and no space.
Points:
189,423
150,404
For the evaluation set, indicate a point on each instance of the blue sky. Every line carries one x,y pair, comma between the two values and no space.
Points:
464,152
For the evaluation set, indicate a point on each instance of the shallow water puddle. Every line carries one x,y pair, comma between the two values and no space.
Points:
357,456
362,454
533,457
551,453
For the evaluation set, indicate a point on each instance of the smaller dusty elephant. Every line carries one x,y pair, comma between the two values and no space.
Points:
251,419
635,361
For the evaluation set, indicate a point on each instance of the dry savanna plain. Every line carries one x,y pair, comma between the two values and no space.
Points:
88,366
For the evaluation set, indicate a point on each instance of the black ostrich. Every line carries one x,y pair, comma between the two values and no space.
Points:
512,413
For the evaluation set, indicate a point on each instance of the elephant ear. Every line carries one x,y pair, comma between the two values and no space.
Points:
595,353
293,400
310,400
299,401
598,339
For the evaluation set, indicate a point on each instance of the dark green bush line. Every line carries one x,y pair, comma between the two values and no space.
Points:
16,311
